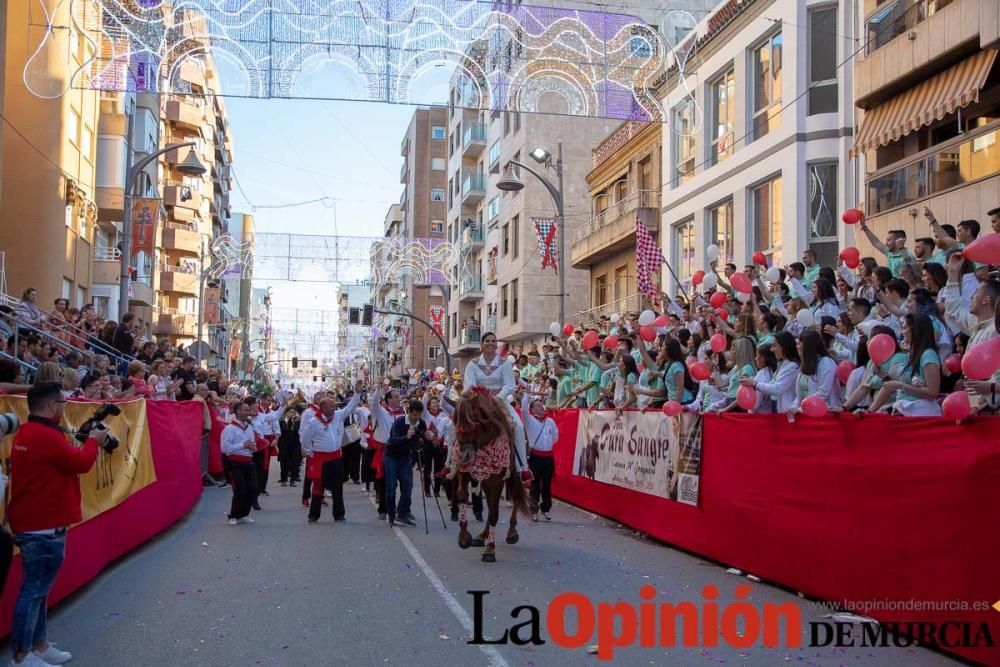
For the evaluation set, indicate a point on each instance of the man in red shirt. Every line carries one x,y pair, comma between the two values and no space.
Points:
45,466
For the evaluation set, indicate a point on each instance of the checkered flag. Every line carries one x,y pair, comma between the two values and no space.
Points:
648,259
546,230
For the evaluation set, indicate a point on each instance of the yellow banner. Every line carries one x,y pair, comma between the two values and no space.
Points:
115,476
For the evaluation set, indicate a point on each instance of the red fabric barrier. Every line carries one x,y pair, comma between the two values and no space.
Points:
175,439
215,442
882,508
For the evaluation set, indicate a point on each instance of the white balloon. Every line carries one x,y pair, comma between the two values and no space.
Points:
615,317
712,252
646,318
710,281
439,387
439,369
773,274
743,297
805,318
555,329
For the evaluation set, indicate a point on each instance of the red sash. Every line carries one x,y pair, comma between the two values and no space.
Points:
314,464
547,454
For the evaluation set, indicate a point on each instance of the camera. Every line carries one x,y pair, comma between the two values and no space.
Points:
8,423
97,420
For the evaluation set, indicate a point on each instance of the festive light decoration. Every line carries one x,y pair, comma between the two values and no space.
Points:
425,260
511,57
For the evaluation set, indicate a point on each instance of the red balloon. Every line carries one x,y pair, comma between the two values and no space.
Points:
844,370
746,397
718,343
852,216
672,408
611,342
813,406
697,277
953,362
700,371
985,249
591,340
568,329
956,406
722,314
852,262
982,360
718,299
648,334
881,347
850,252
741,283
661,321
760,258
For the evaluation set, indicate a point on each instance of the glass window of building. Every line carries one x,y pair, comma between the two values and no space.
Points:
766,209
723,116
766,83
685,129
684,248
720,220
823,39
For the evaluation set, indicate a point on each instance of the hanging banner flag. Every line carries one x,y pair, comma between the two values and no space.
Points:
210,305
437,319
546,230
648,260
145,214
234,349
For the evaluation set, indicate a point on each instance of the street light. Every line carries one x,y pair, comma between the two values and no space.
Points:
191,166
510,182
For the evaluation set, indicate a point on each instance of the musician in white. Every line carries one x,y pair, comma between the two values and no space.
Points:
491,371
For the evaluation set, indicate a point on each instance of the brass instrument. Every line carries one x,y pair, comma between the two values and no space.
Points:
298,398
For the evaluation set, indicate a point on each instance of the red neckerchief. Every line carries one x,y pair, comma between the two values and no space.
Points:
314,408
240,424
323,420
434,412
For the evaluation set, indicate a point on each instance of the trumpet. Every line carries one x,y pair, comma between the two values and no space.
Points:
298,398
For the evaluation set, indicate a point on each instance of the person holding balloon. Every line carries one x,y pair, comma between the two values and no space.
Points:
817,372
917,396
782,386
886,363
977,320
983,389
743,359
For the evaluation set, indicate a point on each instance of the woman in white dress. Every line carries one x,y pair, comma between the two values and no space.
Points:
492,372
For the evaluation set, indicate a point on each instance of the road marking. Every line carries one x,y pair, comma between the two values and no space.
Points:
496,660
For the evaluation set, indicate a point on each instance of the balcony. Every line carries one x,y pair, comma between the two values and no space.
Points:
469,338
491,324
613,229
907,41
181,238
175,279
474,140
183,325
471,288
472,238
404,171
181,196
473,189
107,266
633,303
185,113
140,293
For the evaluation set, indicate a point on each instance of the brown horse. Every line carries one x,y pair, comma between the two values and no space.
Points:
485,457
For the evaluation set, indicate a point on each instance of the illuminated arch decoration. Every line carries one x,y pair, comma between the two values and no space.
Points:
506,51
231,259
426,261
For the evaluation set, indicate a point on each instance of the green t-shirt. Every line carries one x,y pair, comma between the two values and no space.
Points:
565,386
897,260
670,383
591,372
766,339
810,276
898,360
918,377
747,371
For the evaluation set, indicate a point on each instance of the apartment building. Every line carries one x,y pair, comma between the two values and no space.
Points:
48,212
755,143
624,184
236,292
928,86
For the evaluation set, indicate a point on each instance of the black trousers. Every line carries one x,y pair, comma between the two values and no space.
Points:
367,472
225,469
306,489
258,463
542,467
432,459
379,485
243,477
286,458
333,479
352,461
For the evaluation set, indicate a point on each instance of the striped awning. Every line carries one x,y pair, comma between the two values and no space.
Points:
925,103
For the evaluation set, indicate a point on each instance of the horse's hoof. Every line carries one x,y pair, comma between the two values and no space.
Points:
489,558
512,539
464,542
477,543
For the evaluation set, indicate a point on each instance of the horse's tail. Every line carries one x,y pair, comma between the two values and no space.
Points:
516,490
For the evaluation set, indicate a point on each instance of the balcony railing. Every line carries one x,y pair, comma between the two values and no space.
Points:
470,335
107,254
473,183
472,284
634,201
898,19
963,160
472,235
176,269
474,139
491,323
633,303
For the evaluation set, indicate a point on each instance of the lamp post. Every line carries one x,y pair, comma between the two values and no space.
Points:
191,166
511,183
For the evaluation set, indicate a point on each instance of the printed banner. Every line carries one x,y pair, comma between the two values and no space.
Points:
234,348
211,305
145,213
546,229
115,476
649,453
437,319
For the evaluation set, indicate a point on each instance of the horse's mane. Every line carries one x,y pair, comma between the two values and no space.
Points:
480,418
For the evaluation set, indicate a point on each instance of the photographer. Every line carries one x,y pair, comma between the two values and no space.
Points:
44,501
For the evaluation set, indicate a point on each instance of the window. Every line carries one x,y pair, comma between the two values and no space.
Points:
437,194
822,208
621,282
503,302
73,127
601,290
433,351
823,60
87,144
684,248
506,239
723,116
514,301
438,132
438,164
766,210
81,296
515,224
720,221
67,289
102,305
493,208
685,128
766,84
437,226
495,152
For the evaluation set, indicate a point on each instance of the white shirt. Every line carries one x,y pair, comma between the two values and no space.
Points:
782,385
542,435
320,435
498,377
382,418
823,383
238,440
267,423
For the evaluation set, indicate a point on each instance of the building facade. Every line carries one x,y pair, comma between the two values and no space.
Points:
928,89
755,148
624,185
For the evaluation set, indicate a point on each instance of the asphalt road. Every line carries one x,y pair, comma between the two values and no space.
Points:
281,592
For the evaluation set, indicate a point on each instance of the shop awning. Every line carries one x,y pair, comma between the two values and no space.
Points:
925,103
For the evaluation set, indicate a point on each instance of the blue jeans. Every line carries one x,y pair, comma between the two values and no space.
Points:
398,470
41,556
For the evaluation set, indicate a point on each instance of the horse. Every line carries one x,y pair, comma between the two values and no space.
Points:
484,456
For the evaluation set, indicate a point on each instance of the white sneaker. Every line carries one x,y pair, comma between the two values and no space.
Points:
233,522
534,517
30,660
53,656
245,519
548,517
